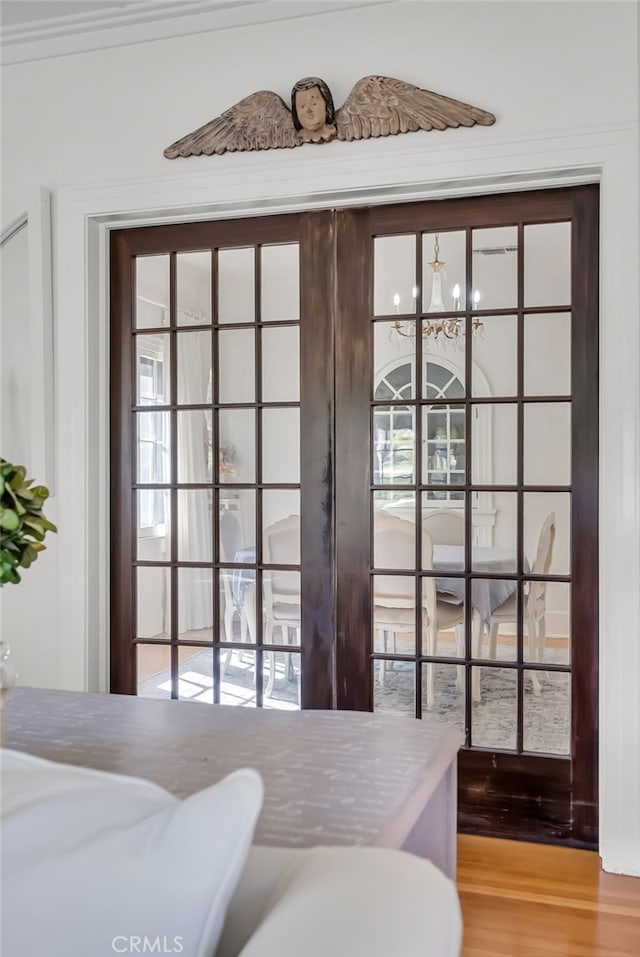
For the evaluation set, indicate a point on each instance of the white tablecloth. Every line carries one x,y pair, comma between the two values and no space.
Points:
486,593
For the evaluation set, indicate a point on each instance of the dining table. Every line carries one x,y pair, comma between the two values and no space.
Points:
487,591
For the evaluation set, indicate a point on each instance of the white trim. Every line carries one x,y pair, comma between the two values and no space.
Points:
41,367
13,228
84,217
143,22
39,293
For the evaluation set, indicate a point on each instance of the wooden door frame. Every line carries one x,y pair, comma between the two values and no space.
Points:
508,795
572,785
314,232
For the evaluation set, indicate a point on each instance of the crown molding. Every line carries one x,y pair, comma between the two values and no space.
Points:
151,20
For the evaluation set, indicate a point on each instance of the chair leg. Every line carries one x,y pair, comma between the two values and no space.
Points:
431,675
225,658
476,633
431,685
493,640
248,618
390,640
228,620
249,613
268,640
459,630
228,630
533,647
460,654
542,634
384,665
288,668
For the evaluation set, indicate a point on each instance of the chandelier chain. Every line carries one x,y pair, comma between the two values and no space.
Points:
453,328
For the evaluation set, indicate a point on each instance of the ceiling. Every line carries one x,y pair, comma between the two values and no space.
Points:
35,17
37,29
13,12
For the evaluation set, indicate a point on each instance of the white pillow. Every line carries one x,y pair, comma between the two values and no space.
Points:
98,864
342,902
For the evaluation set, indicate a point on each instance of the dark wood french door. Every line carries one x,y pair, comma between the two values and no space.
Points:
354,465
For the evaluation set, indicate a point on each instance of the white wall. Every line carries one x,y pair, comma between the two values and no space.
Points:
562,81
28,616
15,408
107,115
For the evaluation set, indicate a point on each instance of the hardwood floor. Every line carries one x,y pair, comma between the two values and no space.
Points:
534,900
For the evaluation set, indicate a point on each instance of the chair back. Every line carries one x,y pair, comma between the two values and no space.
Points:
229,536
281,546
445,525
229,545
541,565
394,544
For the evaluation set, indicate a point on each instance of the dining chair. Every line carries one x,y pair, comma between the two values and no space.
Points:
533,613
229,545
281,589
446,527
394,598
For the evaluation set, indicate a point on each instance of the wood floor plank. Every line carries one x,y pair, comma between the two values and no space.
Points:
535,900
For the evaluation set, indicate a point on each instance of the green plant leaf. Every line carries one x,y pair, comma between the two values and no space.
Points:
28,556
9,519
22,521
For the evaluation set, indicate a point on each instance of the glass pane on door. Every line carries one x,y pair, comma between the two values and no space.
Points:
482,457
218,473
444,271
193,288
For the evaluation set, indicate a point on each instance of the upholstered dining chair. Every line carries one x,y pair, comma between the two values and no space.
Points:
533,613
229,545
446,527
394,599
281,589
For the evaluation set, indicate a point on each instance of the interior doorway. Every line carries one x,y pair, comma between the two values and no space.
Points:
354,464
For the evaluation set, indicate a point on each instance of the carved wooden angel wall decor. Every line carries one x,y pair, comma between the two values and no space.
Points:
376,106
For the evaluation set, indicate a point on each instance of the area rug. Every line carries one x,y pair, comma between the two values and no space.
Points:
546,717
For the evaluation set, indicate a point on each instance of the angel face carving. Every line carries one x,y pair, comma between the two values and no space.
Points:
376,106
312,110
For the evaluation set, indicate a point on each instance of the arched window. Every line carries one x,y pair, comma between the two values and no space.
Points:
444,447
444,440
394,436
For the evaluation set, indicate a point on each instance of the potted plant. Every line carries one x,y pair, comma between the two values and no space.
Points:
23,527
22,521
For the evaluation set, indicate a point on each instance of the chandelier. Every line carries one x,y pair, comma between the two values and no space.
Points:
451,328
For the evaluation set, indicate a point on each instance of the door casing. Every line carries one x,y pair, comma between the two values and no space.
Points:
550,798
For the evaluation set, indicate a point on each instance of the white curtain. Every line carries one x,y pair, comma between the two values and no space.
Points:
194,519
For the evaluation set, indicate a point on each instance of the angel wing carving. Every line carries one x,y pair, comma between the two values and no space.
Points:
383,106
262,121
376,106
